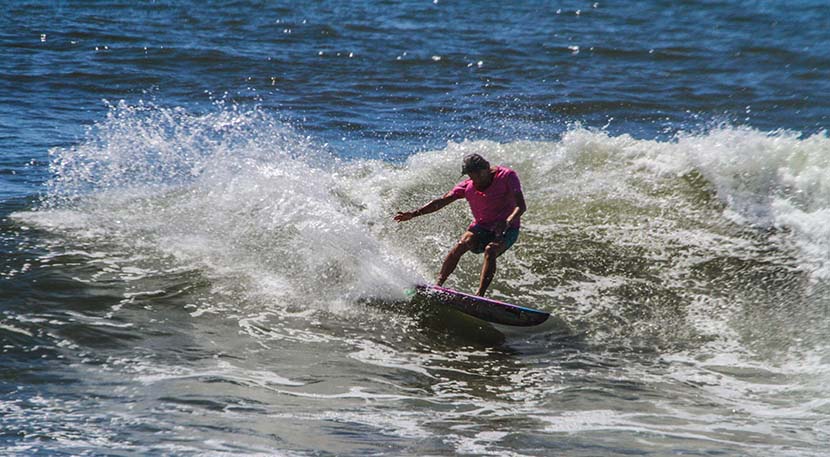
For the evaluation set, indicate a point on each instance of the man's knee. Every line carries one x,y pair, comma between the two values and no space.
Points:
466,243
493,249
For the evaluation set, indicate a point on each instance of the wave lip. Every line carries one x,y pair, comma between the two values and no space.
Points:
775,179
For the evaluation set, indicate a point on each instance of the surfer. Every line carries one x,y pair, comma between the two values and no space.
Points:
494,194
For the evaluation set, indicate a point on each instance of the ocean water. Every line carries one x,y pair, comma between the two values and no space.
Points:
198,255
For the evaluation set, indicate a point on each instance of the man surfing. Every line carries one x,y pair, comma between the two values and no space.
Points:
496,201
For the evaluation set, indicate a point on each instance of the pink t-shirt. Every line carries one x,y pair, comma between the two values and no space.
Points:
496,202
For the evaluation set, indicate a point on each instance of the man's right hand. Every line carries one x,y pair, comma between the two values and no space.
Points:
404,216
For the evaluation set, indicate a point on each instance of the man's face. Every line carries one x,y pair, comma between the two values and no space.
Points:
480,176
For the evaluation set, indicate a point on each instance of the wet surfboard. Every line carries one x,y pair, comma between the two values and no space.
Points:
483,308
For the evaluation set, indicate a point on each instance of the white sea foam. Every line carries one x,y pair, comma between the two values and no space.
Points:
232,192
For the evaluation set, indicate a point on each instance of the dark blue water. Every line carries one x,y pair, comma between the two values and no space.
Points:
370,72
198,258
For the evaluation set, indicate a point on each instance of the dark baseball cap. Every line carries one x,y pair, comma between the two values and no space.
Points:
474,162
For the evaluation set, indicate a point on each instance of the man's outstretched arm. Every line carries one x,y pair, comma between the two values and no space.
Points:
430,207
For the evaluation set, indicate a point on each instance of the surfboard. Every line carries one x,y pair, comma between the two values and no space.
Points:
483,308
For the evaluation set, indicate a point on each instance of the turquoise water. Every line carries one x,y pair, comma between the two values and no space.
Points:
198,256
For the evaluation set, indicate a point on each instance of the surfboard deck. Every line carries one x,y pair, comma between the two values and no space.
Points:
483,308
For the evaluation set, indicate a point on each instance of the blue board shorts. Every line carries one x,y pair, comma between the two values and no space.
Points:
483,237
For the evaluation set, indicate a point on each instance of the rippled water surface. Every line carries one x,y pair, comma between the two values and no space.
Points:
197,255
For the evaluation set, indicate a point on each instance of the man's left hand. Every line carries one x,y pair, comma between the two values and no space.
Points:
499,229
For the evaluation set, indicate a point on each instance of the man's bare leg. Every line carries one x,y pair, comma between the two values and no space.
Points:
488,269
451,261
